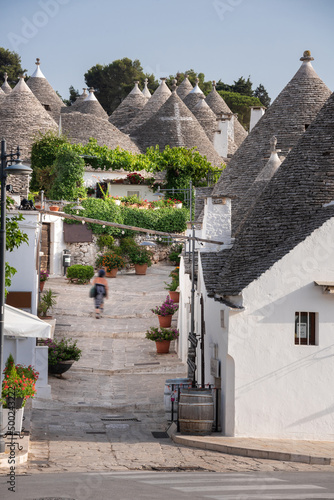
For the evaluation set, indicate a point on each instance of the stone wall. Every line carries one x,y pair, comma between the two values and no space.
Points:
86,253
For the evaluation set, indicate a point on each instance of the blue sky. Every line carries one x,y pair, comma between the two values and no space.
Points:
224,39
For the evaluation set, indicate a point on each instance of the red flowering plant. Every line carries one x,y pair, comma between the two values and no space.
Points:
168,307
19,382
135,178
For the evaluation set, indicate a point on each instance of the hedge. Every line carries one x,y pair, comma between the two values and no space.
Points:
169,220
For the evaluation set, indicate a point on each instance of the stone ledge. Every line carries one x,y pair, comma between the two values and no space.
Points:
263,450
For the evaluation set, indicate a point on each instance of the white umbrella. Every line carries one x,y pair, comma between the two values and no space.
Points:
23,324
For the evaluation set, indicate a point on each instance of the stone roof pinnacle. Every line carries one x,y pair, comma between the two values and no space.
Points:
307,56
37,73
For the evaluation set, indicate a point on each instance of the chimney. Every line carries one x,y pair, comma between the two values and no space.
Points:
256,113
220,139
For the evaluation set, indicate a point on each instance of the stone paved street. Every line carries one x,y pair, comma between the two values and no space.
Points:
104,409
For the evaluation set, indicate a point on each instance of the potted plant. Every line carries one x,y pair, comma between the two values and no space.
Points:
141,258
61,354
43,276
18,385
165,312
47,301
135,178
112,262
173,287
162,338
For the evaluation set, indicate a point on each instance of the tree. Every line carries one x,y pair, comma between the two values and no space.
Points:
10,62
74,94
240,104
243,86
192,75
261,93
113,82
14,238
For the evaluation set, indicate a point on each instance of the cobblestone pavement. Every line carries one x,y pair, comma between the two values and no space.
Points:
105,408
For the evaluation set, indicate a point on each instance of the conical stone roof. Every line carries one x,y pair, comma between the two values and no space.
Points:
184,88
129,108
146,93
206,117
287,118
193,97
21,117
174,125
81,98
5,86
90,105
296,202
41,88
80,127
2,95
159,97
208,121
218,106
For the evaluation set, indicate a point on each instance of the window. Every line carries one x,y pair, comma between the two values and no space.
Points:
133,193
305,328
47,107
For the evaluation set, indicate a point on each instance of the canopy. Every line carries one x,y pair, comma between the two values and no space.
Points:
23,324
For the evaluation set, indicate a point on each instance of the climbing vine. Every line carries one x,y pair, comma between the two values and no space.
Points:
181,164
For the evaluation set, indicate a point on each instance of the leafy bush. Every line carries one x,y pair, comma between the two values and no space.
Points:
105,240
174,254
127,245
140,256
83,274
169,220
101,209
69,169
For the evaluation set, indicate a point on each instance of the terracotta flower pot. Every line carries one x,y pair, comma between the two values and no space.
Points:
175,296
41,285
112,273
140,268
165,321
54,208
162,346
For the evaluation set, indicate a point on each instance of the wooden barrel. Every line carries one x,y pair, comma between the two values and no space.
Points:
196,411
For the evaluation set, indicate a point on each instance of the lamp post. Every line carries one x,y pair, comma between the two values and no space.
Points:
16,169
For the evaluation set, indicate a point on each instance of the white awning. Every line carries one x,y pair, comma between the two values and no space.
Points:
23,324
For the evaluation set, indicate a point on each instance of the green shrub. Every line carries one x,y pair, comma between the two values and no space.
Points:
105,240
127,245
168,220
83,274
174,254
101,209
141,256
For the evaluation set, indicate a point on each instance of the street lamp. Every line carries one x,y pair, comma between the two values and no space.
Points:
16,169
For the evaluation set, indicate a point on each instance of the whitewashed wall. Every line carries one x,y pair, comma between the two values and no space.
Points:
24,258
283,390
216,222
91,178
57,244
